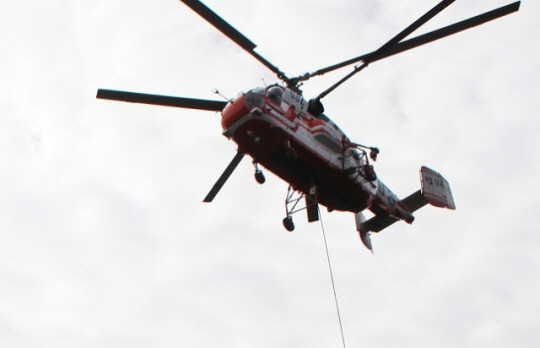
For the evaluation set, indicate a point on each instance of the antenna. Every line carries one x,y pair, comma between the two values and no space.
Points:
216,91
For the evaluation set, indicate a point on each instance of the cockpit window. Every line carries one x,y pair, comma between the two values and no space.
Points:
258,90
275,94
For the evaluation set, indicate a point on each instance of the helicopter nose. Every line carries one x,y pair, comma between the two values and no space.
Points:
254,100
234,111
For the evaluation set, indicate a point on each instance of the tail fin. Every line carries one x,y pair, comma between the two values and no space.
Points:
435,191
365,234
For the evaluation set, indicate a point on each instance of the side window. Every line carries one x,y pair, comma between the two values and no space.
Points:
275,94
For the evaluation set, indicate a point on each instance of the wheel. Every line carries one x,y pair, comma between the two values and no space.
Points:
288,223
259,176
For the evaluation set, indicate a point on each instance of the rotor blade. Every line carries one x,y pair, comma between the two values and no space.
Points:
220,24
429,37
223,178
153,99
452,29
407,31
388,45
233,34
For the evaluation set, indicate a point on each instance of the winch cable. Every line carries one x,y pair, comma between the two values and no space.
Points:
332,279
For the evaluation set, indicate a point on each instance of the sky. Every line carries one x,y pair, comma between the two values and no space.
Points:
105,240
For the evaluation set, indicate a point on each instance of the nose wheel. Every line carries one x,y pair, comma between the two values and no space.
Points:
259,177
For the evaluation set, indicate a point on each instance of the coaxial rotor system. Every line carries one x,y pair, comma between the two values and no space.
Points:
390,48
395,45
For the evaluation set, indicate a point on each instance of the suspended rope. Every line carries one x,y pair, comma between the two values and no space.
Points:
332,279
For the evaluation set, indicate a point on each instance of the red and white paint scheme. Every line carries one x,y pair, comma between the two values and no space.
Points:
311,153
294,139
273,126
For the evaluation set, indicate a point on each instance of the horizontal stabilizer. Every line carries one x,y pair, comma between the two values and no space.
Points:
415,201
435,191
379,222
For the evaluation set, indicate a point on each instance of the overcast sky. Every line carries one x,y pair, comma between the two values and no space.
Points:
105,241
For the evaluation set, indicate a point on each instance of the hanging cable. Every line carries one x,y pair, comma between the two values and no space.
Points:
332,279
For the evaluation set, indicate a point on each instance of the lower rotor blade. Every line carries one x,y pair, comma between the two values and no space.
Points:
223,178
153,99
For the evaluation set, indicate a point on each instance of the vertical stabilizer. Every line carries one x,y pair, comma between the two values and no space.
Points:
365,234
436,189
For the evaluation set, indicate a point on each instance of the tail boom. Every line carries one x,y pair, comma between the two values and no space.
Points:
435,191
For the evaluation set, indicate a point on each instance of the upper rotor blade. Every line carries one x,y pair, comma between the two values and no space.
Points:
388,45
427,38
233,34
223,178
220,24
407,31
153,99
452,29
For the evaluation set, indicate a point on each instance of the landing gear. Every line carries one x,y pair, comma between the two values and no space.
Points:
292,202
288,223
259,175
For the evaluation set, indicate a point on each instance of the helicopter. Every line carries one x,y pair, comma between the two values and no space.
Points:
293,138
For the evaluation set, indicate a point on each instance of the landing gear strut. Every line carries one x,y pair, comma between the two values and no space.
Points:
292,201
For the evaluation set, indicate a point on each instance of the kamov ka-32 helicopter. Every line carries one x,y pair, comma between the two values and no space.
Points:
293,138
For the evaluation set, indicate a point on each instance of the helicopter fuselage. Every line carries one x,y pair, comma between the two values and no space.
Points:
273,126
